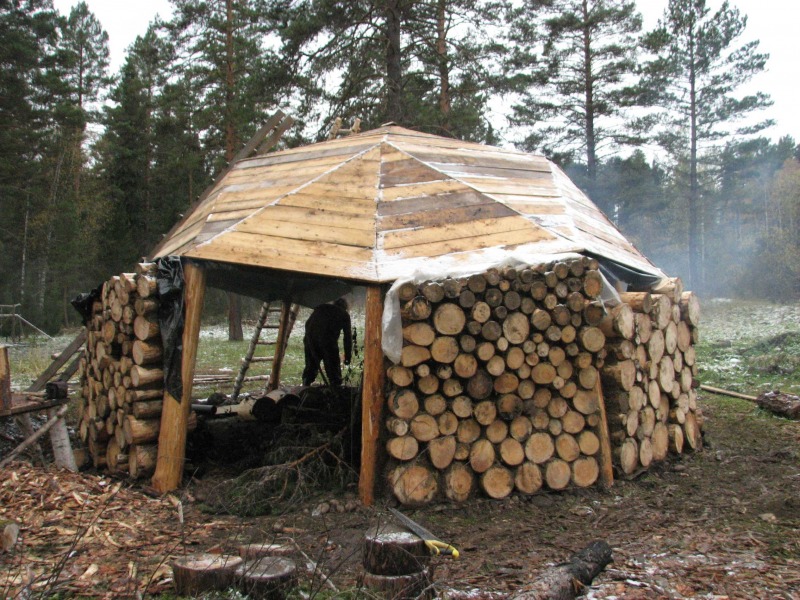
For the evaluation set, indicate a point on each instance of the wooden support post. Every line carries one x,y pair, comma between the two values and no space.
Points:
606,465
5,379
175,414
280,346
372,395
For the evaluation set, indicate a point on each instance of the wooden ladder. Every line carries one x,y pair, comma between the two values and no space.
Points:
277,317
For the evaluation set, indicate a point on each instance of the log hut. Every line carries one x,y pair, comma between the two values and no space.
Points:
514,339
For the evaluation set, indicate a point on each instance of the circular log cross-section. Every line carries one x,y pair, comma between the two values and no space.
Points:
458,482
449,319
481,455
413,484
528,478
557,474
516,327
442,450
391,550
402,448
497,482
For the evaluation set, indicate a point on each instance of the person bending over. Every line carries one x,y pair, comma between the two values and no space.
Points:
321,341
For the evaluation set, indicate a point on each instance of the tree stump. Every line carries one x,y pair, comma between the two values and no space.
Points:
400,587
269,578
199,573
390,550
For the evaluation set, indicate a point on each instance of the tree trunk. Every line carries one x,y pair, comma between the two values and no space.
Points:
394,73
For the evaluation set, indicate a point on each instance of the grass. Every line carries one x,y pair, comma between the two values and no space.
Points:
750,347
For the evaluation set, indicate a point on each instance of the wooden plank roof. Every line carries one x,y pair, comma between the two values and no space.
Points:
375,207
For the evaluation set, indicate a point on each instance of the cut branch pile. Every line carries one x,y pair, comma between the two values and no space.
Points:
122,379
647,378
499,384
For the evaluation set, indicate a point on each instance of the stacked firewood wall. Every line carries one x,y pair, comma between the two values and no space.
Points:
498,383
502,375
647,378
121,375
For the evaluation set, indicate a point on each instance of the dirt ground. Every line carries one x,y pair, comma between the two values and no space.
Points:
722,523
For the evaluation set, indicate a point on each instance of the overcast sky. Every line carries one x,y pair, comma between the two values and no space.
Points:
773,22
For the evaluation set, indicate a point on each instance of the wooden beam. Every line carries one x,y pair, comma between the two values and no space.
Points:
606,464
5,379
372,399
175,412
276,135
716,390
59,362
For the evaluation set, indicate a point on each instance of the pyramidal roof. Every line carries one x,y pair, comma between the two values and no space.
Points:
378,206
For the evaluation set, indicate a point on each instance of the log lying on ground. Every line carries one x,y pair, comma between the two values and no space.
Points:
785,405
567,580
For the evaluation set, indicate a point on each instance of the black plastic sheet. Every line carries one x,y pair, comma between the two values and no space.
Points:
171,319
83,303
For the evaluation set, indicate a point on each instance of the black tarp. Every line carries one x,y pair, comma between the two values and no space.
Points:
83,303
169,278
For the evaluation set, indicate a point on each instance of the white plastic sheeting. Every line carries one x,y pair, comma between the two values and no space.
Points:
392,340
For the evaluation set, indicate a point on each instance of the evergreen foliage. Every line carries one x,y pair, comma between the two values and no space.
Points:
94,170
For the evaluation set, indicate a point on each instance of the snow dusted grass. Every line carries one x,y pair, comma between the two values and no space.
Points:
32,355
216,355
750,347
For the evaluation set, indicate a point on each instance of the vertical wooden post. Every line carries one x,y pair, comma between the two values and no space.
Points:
175,415
280,346
5,379
606,465
372,395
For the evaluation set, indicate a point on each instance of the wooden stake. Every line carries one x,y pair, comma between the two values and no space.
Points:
606,465
5,379
175,414
372,399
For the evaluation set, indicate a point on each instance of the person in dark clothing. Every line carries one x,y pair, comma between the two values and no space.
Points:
321,341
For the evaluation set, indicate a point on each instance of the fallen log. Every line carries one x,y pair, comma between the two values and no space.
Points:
566,580
785,405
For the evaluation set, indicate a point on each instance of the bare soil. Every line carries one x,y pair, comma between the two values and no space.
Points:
721,523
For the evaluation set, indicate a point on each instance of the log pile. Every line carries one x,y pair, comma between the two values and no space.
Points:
647,376
502,379
497,387
121,375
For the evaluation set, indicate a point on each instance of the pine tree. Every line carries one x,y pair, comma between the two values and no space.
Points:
415,63
697,69
235,79
28,32
574,98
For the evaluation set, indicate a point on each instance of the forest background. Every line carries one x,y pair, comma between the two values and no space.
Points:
96,166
